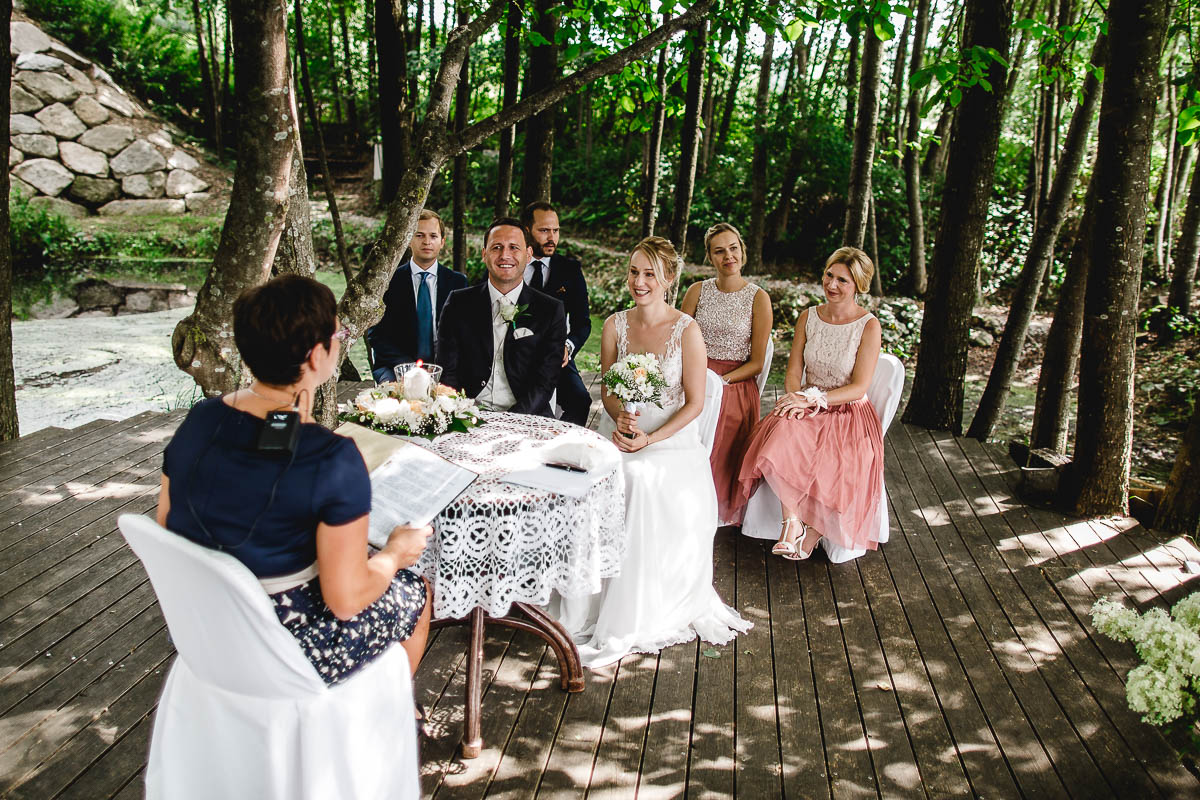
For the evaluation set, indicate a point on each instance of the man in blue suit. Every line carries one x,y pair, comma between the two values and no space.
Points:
561,277
413,302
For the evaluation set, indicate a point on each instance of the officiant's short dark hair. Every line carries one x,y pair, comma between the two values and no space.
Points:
537,205
276,325
509,222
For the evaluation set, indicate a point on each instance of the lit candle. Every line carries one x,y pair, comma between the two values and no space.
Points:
417,384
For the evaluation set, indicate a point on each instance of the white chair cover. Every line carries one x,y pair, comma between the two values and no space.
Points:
243,714
764,513
714,389
761,380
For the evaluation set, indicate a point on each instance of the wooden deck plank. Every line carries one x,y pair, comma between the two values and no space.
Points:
892,757
974,618
756,718
956,586
801,747
712,757
932,746
663,771
1127,739
623,734
1018,639
974,739
28,452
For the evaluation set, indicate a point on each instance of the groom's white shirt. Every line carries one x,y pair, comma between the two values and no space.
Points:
498,395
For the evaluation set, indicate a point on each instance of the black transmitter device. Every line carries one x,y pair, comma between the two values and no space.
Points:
279,432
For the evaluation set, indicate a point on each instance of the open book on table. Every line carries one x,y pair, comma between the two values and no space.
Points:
409,484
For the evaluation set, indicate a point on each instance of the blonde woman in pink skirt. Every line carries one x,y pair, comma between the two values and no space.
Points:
734,316
821,448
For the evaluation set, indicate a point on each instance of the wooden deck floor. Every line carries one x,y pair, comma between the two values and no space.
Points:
956,661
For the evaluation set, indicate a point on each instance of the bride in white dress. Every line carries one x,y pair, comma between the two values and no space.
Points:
664,594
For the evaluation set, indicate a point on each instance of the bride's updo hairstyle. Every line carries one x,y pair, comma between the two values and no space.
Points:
664,261
722,227
862,269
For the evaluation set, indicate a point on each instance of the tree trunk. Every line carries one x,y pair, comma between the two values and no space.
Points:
9,429
912,159
689,138
1179,508
735,79
651,171
207,86
462,110
851,84
760,160
512,76
395,112
858,195
1187,157
326,176
706,114
227,109
937,393
1162,197
348,75
936,157
1041,249
203,341
295,255
334,81
539,131
895,127
1061,357
873,245
1184,276
1103,435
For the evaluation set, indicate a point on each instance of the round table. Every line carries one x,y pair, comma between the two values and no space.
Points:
501,549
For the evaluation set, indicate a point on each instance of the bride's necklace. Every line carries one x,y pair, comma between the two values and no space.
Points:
250,389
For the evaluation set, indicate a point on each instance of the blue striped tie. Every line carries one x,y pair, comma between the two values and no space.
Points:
424,320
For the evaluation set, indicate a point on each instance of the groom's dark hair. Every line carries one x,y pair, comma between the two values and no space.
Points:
509,222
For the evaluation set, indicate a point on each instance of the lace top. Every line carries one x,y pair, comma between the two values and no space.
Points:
725,319
831,350
671,360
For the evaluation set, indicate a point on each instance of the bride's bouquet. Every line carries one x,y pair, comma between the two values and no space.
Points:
636,380
400,408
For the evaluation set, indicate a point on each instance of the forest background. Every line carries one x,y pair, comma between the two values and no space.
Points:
1031,158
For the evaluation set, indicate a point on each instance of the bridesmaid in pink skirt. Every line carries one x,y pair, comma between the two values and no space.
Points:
735,317
821,448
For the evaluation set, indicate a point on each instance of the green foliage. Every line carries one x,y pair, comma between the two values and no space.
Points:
145,51
959,72
37,235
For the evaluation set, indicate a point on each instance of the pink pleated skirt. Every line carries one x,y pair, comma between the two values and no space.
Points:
828,466
740,409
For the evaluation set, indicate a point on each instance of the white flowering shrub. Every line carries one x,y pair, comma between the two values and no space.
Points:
1165,687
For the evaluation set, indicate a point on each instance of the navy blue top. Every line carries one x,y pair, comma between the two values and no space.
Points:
212,462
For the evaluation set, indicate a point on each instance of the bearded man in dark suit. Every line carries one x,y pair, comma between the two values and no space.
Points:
561,277
413,302
501,341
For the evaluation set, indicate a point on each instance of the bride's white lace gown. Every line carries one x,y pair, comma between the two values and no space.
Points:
664,594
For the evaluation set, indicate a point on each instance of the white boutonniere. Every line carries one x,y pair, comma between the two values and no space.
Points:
510,311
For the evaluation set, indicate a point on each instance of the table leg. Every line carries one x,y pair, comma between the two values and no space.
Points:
472,742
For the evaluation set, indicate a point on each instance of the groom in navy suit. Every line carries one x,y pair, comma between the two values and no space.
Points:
501,341
561,277
413,302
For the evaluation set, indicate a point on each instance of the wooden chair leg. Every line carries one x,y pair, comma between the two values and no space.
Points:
569,667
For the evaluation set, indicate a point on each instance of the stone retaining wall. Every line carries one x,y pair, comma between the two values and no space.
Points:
81,145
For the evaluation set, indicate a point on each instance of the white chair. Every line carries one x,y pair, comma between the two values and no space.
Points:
764,513
243,714
714,388
761,380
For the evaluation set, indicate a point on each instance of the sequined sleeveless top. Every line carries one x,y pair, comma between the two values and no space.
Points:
831,350
725,320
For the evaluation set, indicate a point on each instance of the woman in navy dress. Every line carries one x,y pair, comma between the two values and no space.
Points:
298,519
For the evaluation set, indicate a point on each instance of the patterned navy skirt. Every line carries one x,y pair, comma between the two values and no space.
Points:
338,648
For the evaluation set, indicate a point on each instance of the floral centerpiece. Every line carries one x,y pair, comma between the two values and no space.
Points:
1165,688
415,405
635,380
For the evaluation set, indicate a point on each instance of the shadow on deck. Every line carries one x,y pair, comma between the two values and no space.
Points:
958,660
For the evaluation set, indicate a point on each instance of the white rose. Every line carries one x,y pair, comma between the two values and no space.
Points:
388,410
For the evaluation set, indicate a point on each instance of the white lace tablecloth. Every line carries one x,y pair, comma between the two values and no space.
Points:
500,543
